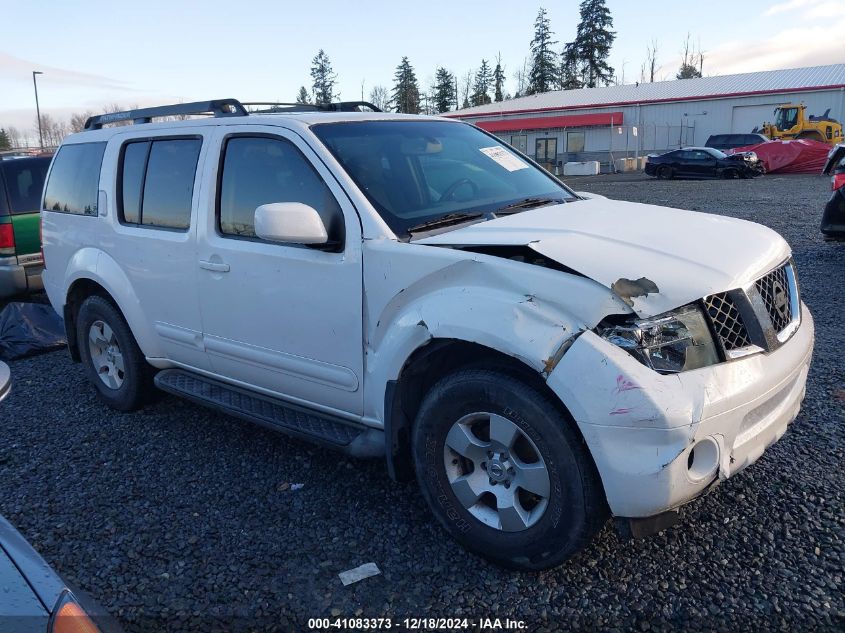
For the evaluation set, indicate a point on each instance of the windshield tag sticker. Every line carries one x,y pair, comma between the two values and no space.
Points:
504,158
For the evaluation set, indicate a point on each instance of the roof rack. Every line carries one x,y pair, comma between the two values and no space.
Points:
273,107
222,108
218,108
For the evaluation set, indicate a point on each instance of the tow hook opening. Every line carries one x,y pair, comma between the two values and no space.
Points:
703,459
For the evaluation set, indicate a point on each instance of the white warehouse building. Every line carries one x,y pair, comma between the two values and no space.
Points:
636,119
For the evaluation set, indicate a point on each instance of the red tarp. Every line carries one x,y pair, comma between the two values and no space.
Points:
790,157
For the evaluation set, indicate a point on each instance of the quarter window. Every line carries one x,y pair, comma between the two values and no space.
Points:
263,170
157,182
74,179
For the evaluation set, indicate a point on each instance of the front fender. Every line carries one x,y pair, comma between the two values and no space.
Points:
417,293
95,265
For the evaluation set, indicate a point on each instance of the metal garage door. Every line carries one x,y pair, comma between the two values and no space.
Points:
746,118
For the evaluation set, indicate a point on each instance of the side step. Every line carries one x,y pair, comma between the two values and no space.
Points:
296,420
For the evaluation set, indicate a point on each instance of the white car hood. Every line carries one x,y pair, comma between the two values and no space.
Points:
654,258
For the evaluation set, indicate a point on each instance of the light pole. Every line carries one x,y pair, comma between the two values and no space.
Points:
37,108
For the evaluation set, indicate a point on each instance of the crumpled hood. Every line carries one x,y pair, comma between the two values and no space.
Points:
654,258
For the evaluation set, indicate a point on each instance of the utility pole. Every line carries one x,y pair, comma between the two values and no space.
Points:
37,108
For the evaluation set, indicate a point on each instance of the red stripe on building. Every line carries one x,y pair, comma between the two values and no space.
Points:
616,104
544,123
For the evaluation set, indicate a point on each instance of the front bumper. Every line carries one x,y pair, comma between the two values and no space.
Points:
659,441
17,278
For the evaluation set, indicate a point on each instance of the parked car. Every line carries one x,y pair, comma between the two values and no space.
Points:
21,184
702,162
412,287
732,141
833,219
35,599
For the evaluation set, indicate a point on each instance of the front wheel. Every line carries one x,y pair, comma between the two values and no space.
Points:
504,471
664,172
112,359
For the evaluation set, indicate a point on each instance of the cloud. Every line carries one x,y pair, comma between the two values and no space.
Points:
14,68
809,45
789,5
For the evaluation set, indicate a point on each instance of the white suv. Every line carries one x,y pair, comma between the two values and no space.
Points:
413,287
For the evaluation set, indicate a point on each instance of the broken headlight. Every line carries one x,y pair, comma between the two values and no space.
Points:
668,343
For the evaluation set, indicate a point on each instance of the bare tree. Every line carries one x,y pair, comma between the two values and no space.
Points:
16,139
521,78
52,130
648,69
466,89
692,61
380,98
78,119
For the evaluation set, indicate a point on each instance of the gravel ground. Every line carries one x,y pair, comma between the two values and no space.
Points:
176,518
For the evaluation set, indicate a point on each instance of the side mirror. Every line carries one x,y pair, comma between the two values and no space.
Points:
290,222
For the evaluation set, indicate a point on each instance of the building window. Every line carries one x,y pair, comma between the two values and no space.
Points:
519,142
574,142
546,150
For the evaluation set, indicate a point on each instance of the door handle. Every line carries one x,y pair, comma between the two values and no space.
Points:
217,267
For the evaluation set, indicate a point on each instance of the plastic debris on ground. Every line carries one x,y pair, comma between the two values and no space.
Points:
790,157
27,329
359,573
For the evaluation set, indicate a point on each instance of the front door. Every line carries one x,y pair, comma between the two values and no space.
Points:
546,153
283,318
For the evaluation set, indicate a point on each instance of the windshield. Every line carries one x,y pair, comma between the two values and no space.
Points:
417,172
715,153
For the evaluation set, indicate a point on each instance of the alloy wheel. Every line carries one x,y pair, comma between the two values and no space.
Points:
105,353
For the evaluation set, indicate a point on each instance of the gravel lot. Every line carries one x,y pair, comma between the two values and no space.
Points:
180,519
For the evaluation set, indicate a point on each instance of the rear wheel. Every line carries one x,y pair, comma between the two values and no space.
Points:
504,472
112,359
664,172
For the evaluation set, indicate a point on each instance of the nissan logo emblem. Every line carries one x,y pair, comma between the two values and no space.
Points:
780,299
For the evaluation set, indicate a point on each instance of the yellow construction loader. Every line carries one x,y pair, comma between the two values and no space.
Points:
791,121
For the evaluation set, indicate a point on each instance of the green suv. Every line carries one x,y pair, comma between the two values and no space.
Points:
21,262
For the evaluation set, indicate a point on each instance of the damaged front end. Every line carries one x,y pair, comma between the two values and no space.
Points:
669,343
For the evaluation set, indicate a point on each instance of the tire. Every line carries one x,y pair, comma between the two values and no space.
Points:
664,172
730,174
120,374
548,530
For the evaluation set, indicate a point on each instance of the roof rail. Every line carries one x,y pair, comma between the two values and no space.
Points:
268,107
218,107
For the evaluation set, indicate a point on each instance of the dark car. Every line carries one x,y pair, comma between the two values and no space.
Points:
702,162
732,141
33,598
833,218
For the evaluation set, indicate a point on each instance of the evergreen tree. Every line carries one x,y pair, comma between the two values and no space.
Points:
5,141
593,43
323,79
444,90
570,71
303,96
481,86
406,90
543,75
498,80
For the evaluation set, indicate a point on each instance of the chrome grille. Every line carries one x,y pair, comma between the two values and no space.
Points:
727,321
775,290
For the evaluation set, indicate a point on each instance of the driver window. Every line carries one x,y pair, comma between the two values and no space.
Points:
262,170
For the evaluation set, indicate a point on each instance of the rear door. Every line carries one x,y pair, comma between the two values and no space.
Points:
283,318
156,182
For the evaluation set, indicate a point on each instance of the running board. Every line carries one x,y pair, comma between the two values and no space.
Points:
279,415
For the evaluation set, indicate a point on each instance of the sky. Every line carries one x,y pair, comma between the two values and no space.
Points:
94,53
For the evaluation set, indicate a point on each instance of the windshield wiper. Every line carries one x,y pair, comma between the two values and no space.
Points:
527,203
445,220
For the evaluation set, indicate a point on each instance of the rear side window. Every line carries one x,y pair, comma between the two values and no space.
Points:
24,183
261,170
157,182
74,179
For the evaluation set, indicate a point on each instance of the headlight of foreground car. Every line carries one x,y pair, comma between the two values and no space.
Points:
70,617
668,343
